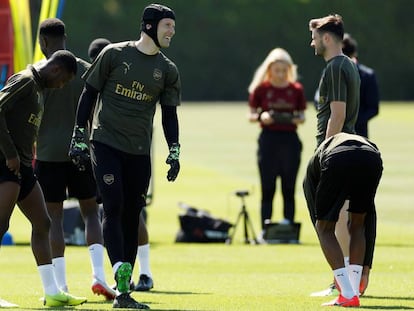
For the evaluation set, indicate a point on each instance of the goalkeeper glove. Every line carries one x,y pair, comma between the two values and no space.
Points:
78,149
173,161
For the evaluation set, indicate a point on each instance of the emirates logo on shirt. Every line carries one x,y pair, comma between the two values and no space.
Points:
157,74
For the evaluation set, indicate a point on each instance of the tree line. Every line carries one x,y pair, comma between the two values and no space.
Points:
219,43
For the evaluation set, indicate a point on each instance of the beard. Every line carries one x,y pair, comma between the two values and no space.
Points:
320,50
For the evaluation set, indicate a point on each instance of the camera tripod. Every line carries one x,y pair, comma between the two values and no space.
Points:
246,221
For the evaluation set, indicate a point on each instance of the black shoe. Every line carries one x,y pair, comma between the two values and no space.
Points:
145,283
125,301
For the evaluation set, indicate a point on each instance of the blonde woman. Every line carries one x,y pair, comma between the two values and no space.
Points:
277,102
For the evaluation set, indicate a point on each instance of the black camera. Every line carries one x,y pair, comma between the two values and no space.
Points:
241,193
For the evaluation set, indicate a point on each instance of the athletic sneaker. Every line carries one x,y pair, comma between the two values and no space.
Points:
63,299
123,277
341,301
131,286
145,283
330,291
6,304
100,288
125,301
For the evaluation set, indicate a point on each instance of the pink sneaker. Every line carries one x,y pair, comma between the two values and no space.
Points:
100,288
341,301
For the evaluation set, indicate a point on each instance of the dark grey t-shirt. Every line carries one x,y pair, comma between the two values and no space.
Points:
20,115
130,85
340,81
59,115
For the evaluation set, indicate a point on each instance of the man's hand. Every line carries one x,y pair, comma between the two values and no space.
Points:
173,161
364,280
266,118
79,150
14,165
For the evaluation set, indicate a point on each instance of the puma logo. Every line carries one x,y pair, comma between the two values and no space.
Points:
127,67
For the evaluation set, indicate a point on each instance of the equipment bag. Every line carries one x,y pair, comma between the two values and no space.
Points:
199,226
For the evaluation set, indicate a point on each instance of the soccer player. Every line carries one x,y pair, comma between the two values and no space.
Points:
369,93
368,108
56,173
277,101
130,78
96,46
338,97
145,281
340,80
344,166
20,117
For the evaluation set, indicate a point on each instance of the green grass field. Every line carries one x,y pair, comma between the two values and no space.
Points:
218,157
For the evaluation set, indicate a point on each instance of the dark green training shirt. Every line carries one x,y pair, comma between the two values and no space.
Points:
59,115
130,84
339,82
20,115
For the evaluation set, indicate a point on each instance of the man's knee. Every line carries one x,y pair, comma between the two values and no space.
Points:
356,221
89,208
325,227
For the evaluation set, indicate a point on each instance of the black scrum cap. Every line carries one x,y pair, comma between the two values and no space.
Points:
151,16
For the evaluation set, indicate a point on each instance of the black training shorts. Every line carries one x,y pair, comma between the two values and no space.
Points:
62,180
25,179
352,175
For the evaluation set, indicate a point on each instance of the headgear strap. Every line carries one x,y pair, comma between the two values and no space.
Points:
151,16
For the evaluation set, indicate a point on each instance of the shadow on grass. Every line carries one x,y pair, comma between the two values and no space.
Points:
386,307
106,308
387,297
175,293
400,307
106,304
109,308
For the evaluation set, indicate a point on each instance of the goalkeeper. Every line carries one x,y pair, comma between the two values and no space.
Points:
130,78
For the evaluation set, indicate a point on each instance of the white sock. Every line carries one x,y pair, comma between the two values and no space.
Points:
47,276
355,272
96,252
116,266
59,266
342,278
346,262
143,259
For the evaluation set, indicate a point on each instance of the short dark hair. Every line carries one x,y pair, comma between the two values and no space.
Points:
52,27
332,23
349,45
96,46
65,59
